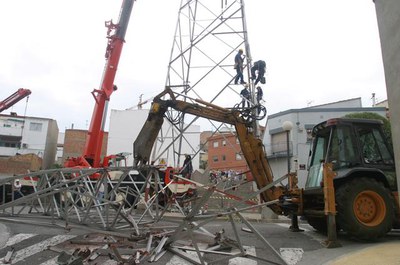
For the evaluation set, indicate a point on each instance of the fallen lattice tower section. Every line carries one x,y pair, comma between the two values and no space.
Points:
138,216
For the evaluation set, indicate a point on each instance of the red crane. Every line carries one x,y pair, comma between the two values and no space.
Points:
116,35
14,98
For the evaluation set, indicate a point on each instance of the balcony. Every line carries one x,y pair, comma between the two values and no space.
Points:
279,150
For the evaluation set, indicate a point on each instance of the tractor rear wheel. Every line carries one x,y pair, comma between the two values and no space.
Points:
364,208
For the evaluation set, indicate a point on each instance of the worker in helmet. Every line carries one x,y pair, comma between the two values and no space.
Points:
259,94
239,59
259,67
187,167
17,189
245,94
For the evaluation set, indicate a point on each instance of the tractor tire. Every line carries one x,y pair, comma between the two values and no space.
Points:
365,209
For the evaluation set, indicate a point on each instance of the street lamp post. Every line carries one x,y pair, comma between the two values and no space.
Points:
287,126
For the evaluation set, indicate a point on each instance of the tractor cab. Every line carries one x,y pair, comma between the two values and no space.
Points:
349,145
364,182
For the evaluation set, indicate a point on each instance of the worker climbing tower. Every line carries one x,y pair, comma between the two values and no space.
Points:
208,35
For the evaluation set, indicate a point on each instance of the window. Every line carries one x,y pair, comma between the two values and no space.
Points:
279,143
223,158
238,156
10,141
309,136
215,158
35,126
343,148
223,142
215,144
315,171
373,146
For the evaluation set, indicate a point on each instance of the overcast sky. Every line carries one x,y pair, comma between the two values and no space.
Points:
316,52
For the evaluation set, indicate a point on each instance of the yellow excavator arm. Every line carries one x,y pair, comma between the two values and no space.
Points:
251,146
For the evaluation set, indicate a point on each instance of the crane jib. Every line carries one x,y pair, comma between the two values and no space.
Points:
115,34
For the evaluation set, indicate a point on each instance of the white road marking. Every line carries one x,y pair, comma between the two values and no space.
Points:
292,255
52,261
36,248
176,260
247,261
110,262
17,238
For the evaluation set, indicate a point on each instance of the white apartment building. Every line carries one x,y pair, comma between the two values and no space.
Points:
303,120
60,148
125,126
29,135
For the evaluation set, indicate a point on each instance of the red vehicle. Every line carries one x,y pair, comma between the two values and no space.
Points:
14,98
116,38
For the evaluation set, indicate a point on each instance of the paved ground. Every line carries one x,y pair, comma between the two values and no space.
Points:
385,253
31,242
300,249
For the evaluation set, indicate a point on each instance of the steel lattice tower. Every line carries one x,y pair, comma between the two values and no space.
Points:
208,35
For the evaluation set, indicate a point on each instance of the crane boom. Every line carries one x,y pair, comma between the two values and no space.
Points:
116,38
14,98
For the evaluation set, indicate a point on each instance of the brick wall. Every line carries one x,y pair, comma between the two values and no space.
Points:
74,143
20,164
224,153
